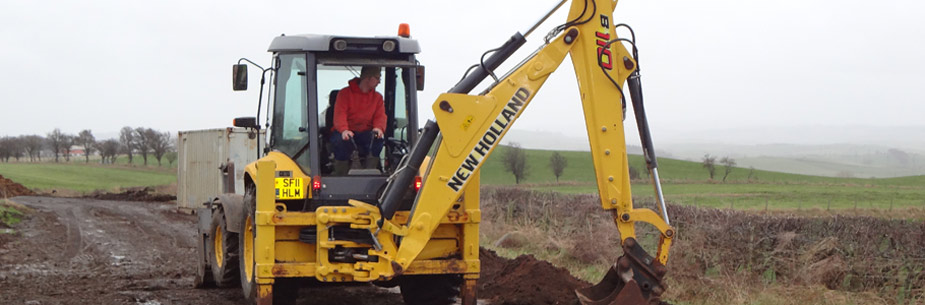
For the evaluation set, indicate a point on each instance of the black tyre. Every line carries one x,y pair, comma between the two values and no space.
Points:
247,269
203,271
439,289
223,252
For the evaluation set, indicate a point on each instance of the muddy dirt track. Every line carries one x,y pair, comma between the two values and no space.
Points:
88,251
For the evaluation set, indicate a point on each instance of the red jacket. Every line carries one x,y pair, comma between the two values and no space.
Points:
357,111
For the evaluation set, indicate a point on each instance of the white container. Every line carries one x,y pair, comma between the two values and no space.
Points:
200,153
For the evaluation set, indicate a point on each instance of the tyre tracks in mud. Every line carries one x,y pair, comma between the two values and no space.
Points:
89,251
83,251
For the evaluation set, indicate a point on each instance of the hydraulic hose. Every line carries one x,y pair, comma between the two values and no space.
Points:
400,182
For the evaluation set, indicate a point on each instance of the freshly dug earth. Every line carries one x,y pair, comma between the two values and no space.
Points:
8,189
133,194
525,280
80,251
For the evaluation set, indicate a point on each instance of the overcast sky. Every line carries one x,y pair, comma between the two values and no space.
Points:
101,64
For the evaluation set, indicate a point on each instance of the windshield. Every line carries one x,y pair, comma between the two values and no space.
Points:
295,117
331,79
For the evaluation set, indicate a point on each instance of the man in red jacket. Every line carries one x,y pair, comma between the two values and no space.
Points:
359,114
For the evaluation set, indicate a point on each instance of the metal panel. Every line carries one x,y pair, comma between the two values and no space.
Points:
201,152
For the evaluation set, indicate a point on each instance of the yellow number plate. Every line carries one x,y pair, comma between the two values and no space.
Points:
290,188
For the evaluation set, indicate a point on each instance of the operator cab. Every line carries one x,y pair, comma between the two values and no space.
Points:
305,77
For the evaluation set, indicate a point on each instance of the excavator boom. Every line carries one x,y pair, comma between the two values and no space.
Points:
469,127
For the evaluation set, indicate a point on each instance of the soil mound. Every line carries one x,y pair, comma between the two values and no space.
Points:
133,194
8,189
525,280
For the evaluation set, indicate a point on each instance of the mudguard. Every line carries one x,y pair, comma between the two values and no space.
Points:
205,220
233,205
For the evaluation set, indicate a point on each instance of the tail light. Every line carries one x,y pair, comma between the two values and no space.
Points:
316,183
417,183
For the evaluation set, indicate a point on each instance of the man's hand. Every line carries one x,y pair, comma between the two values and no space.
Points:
377,133
346,135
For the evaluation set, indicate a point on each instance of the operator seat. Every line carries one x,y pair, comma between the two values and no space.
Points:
329,114
327,154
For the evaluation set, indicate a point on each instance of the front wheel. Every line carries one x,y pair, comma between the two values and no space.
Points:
246,248
285,291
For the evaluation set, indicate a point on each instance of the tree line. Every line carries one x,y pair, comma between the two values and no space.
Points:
132,142
515,162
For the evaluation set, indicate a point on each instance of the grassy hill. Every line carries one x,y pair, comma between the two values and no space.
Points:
688,183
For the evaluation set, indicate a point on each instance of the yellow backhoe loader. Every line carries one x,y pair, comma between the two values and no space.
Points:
412,219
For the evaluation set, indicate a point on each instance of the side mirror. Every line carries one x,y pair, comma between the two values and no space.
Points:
247,122
239,77
420,77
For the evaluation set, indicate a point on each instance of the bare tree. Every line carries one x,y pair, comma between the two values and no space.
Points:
709,162
109,149
634,173
143,138
6,148
66,144
558,163
127,139
728,164
515,161
33,145
18,147
56,140
751,173
160,144
171,156
86,139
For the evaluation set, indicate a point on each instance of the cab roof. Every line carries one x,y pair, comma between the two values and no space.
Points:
323,43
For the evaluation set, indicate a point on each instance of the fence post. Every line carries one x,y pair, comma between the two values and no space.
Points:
765,204
829,206
855,204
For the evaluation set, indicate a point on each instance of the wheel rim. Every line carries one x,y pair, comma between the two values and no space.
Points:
219,255
249,249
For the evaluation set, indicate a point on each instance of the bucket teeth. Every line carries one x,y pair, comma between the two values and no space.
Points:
621,285
612,290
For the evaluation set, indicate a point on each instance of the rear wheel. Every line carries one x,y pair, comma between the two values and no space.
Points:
223,252
438,289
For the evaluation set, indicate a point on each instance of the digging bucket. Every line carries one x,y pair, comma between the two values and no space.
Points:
636,279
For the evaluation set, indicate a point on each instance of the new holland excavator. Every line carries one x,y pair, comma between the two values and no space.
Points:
412,220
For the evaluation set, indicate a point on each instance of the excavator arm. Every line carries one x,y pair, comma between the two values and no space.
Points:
472,126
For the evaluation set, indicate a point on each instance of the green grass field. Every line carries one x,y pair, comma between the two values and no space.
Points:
85,178
684,182
688,183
